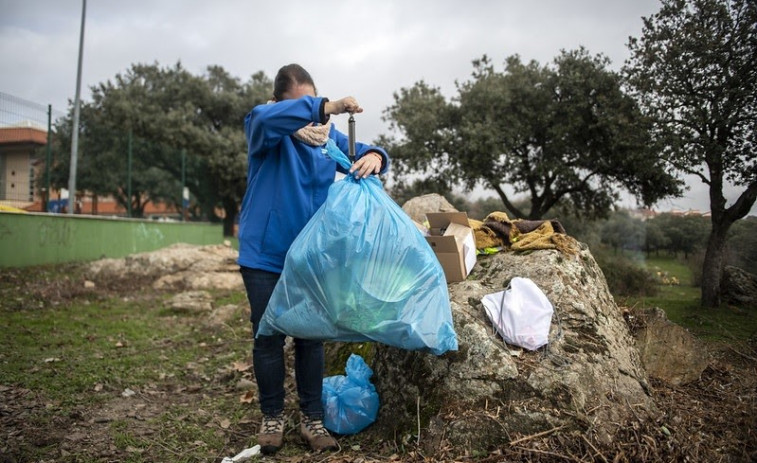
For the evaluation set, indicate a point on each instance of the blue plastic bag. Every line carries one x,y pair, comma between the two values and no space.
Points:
361,271
350,403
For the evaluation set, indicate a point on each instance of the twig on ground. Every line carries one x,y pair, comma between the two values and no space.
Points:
534,436
748,357
597,452
552,454
418,415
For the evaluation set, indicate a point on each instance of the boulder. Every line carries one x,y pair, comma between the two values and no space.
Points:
738,287
177,267
590,376
417,207
191,301
669,352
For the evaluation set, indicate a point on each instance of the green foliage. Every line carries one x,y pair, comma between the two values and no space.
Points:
693,73
560,133
679,234
167,113
656,239
621,231
482,207
741,247
672,233
624,276
402,191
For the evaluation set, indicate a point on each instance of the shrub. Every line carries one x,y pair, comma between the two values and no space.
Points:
626,278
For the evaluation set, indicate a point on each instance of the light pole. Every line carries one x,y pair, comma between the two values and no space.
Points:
75,128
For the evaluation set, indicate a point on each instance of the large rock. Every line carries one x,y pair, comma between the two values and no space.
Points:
417,207
590,376
738,287
177,267
668,351
191,301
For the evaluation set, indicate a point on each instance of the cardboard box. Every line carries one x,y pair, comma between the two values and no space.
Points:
452,240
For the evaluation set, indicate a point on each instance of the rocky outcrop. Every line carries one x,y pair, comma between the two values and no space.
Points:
177,267
669,352
417,207
738,287
590,376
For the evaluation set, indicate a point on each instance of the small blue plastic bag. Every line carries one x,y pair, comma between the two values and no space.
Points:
361,271
350,403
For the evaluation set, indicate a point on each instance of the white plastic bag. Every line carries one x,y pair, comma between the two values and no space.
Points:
521,314
244,455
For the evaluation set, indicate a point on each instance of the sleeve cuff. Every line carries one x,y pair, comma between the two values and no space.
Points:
324,118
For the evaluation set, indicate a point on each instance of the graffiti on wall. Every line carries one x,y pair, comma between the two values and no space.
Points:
56,233
150,235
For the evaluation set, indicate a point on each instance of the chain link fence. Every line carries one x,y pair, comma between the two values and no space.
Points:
23,138
124,163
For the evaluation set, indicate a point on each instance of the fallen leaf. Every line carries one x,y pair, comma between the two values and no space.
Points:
248,397
225,423
241,366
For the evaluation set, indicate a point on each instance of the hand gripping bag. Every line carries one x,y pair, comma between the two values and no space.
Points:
521,314
350,403
361,271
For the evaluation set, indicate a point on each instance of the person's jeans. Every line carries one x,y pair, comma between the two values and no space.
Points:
268,354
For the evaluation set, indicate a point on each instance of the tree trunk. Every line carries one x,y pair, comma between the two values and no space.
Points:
230,207
713,265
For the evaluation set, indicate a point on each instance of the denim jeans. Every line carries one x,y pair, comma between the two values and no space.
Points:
268,354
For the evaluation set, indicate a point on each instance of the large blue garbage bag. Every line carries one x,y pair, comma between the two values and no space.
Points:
361,271
350,403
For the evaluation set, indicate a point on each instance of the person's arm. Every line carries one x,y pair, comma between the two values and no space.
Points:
266,124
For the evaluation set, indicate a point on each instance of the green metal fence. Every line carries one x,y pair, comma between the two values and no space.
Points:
38,239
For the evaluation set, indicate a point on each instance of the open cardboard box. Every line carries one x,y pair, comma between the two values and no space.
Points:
451,237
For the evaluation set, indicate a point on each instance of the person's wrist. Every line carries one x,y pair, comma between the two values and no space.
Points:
379,156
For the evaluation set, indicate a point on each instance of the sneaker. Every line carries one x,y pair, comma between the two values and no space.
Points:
271,435
317,437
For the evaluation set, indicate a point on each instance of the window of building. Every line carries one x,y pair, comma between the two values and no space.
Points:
31,183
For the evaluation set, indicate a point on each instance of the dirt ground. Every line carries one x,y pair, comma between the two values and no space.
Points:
712,419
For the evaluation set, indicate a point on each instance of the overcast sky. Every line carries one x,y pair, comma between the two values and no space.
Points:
365,48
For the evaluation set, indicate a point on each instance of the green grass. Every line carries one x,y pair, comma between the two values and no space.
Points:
73,348
79,354
671,266
681,304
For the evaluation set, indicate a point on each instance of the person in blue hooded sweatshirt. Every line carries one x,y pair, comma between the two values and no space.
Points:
288,179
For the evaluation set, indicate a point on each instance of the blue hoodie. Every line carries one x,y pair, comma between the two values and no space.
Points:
287,180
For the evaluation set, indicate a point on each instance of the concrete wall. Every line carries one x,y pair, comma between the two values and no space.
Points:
37,239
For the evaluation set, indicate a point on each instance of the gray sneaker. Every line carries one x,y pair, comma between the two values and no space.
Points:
271,435
317,437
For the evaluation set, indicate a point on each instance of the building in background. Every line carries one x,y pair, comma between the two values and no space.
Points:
22,159
19,147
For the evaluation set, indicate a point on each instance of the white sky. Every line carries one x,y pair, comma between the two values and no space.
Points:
365,48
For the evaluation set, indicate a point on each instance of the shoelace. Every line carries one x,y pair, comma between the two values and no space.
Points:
273,425
316,427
